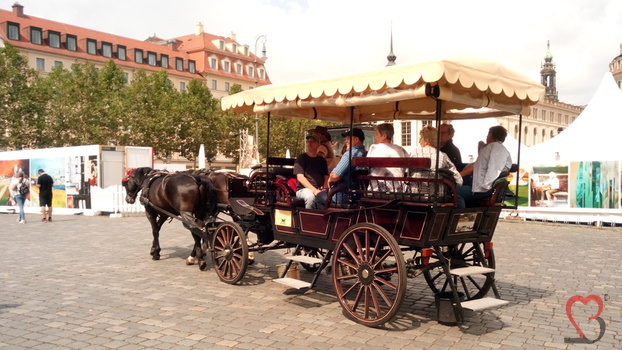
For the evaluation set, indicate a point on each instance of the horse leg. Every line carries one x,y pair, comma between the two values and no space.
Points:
156,224
197,250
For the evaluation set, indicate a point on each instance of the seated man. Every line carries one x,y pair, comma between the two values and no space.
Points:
493,159
311,172
385,148
448,147
340,176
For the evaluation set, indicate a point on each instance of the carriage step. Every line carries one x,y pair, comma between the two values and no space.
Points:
471,270
305,259
293,283
483,303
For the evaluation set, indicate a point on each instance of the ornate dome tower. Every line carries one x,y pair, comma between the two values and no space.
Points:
391,57
548,75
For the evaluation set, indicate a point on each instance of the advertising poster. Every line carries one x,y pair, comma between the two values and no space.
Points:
55,167
595,184
549,187
8,169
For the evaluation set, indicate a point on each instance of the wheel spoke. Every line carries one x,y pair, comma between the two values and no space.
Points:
384,296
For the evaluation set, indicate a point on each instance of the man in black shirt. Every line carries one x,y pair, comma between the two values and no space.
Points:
447,146
45,184
311,172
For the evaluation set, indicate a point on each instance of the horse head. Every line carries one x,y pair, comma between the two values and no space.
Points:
133,183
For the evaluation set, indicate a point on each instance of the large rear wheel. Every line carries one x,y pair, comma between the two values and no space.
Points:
369,274
230,252
461,255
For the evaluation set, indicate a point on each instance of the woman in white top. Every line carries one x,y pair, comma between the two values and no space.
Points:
428,140
385,148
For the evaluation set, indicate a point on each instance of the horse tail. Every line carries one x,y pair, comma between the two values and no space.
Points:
208,193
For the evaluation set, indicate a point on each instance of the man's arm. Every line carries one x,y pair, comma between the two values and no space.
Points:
468,170
304,182
332,178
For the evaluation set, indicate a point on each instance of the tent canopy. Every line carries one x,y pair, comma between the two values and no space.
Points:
592,136
469,89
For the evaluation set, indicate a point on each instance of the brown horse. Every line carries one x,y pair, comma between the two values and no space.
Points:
189,198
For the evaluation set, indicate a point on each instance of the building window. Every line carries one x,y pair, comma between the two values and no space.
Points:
164,61
261,73
192,66
13,30
91,46
152,58
214,84
107,50
71,42
58,64
559,118
40,64
234,48
543,115
36,36
552,134
227,87
525,136
226,67
182,86
406,134
179,64
121,52
251,72
138,55
245,50
535,113
221,45
551,116
54,39
566,119
213,64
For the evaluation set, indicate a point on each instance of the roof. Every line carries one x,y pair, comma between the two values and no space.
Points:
469,88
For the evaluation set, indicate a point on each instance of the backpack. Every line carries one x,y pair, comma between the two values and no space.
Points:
24,189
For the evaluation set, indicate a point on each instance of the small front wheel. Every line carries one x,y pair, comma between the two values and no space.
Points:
369,274
230,252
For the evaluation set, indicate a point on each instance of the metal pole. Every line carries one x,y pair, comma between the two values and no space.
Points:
264,58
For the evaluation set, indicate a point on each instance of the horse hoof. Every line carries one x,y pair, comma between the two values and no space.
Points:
156,257
251,261
190,261
203,266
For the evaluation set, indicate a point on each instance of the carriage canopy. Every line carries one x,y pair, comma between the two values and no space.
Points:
469,88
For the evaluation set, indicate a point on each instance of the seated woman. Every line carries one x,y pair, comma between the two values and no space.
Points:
428,141
383,148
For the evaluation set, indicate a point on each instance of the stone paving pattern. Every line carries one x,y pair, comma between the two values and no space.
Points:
89,283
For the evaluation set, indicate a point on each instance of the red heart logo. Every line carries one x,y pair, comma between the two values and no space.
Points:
584,301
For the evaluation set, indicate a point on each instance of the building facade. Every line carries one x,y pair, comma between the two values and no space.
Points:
547,118
615,67
221,61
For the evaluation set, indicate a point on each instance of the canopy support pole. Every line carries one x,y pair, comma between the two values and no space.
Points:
518,174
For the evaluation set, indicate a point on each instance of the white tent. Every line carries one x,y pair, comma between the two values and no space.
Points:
592,136
470,132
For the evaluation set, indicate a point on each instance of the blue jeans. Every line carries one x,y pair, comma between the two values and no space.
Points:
20,199
466,194
308,196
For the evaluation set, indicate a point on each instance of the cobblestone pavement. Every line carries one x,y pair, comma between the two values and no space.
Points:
89,283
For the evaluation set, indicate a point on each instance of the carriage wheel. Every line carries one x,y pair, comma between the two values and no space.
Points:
369,274
230,252
462,255
314,253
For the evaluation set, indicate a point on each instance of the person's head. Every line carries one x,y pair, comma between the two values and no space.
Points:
322,151
41,172
496,133
428,136
20,175
354,137
313,142
383,133
322,133
447,133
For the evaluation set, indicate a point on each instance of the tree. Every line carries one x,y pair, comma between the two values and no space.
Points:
20,108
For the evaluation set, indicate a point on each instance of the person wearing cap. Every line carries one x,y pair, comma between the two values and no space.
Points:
311,172
340,176
448,147
45,184
325,138
385,148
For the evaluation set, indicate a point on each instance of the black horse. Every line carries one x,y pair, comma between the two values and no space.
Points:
190,198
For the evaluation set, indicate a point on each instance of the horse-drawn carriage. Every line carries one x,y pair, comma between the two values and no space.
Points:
378,239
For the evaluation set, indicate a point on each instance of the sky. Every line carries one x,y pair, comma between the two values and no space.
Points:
312,39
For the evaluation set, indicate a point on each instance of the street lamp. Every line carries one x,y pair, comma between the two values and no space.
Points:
264,58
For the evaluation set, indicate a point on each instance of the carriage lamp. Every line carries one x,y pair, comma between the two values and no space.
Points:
487,249
426,253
